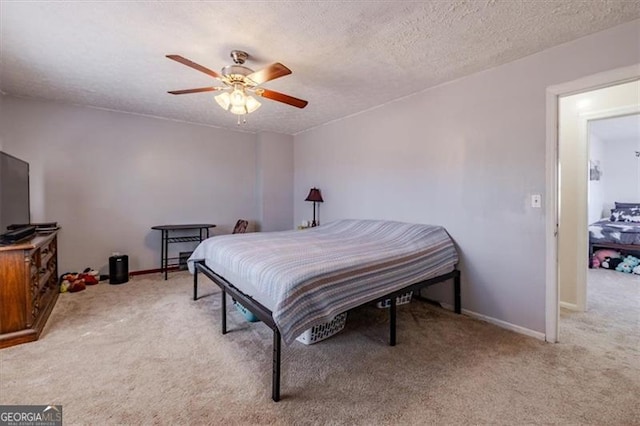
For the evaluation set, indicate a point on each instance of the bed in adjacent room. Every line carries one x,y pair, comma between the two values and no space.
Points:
620,230
293,280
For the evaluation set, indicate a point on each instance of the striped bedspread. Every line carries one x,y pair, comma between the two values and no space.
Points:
307,277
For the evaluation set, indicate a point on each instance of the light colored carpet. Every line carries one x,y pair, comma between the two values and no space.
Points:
145,353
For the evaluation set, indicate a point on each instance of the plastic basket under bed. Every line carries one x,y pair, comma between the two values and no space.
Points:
312,335
248,315
323,331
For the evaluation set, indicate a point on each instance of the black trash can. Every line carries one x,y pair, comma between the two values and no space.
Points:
118,269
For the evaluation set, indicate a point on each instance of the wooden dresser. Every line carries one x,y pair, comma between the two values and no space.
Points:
28,288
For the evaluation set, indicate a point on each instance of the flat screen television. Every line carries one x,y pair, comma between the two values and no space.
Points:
14,191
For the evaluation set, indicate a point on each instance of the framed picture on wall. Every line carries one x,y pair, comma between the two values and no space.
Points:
595,172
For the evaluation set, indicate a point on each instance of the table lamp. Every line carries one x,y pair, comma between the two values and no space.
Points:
316,197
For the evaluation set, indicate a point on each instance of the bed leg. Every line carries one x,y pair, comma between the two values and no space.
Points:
275,380
392,322
224,312
195,283
456,293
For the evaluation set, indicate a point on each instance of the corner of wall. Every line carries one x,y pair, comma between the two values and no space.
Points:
274,186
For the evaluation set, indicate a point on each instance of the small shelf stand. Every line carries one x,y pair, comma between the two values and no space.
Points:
166,239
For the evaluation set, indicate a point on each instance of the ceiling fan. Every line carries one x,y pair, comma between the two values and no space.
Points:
240,83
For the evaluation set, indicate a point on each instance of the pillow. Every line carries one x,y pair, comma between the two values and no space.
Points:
625,215
627,205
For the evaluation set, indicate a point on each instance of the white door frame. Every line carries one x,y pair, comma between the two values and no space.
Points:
597,81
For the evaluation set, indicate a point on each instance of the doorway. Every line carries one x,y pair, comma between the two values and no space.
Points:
566,198
577,114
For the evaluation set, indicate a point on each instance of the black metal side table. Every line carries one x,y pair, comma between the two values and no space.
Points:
203,233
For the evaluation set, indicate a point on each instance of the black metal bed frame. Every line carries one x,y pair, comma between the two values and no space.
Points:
266,316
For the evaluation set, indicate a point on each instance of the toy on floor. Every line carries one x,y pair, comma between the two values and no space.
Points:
632,260
599,257
610,262
604,253
624,267
74,282
636,270
628,264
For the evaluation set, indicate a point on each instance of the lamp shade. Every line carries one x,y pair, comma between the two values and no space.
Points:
314,195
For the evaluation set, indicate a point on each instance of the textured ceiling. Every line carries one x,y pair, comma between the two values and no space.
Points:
346,57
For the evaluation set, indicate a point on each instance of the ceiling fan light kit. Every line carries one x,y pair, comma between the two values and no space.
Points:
240,83
237,102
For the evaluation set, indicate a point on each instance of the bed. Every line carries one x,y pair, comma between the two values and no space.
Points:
620,230
293,280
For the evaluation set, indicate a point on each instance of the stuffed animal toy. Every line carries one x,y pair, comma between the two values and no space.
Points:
595,262
610,263
636,270
624,267
88,279
72,283
91,272
76,286
632,260
603,253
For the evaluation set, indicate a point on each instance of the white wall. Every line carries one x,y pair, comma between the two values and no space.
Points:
466,155
622,169
275,181
596,187
1,114
107,177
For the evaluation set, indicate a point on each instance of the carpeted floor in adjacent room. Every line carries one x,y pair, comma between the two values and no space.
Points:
144,352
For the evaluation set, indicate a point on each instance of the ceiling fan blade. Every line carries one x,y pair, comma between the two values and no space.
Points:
269,73
195,66
198,90
281,97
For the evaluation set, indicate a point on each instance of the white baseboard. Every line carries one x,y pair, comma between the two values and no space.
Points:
570,306
500,323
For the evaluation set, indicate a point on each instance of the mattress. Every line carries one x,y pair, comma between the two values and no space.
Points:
605,231
307,277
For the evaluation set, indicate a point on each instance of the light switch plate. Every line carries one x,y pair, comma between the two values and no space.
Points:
536,201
